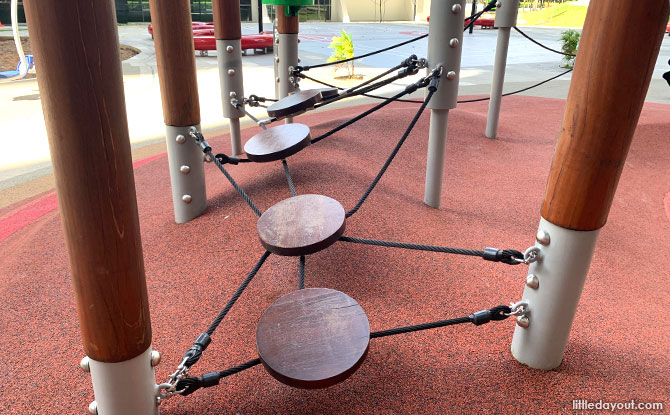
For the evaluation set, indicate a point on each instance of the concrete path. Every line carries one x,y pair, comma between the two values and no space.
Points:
24,152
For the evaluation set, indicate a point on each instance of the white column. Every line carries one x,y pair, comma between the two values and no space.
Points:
444,48
124,388
506,12
552,291
187,173
288,58
229,56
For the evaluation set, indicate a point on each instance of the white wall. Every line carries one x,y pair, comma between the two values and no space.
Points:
368,10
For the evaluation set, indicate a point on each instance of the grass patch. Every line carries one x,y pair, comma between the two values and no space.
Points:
562,15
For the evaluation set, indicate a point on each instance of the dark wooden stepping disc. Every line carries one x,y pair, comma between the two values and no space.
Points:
278,142
301,225
295,104
313,338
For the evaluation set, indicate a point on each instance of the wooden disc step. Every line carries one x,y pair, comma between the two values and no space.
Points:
313,338
301,225
278,142
295,104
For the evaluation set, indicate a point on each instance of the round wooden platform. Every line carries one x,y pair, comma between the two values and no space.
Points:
301,225
295,104
278,142
313,338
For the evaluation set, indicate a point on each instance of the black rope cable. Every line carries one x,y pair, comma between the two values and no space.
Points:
498,313
363,115
342,89
517,91
237,294
358,205
189,385
541,45
195,352
301,271
507,256
473,18
232,181
365,55
288,177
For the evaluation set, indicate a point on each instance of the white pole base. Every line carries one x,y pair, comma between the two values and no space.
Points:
437,145
561,272
187,174
497,83
125,388
235,137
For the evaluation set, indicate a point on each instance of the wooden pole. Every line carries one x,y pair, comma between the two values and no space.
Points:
175,57
227,19
286,24
617,53
616,57
81,87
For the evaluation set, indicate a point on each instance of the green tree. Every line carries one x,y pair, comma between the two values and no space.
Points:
343,48
570,39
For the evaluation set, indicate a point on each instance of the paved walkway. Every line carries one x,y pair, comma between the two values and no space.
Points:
24,152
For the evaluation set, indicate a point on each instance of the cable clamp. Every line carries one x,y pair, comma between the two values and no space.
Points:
532,254
520,308
225,159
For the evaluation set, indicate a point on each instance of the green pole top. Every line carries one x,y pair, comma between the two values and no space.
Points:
292,7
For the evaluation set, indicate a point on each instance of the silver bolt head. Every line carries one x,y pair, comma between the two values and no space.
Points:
159,401
543,237
155,358
532,281
85,364
181,139
230,49
523,321
298,40
185,169
278,80
456,8
299,60
276,58
187,199
451,75
93,408
453,43
231,72
498,4
277,41
233,94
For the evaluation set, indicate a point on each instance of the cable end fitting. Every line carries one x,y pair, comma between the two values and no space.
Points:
432,86
506,256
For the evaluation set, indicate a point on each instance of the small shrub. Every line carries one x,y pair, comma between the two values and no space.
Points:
343,48
570,39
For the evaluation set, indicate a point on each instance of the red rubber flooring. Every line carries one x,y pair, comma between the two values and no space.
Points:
619,344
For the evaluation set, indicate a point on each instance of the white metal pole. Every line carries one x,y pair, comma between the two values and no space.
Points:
553,287
187,173
288,59
506,12
444,48
229,53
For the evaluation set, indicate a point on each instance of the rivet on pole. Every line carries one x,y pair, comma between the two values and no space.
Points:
532,281
543,237
187,198
456,8
230,49
523,321
451,75
85,364
155,358
180,139
93,408
453,43
231,72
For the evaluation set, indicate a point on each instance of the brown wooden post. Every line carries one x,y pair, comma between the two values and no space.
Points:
81,89
175,57
228,31
618,49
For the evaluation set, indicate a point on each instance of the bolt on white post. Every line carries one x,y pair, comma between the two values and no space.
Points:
445,39
187,173
506,13
229,53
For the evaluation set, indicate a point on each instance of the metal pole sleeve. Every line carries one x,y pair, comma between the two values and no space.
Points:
497,82
561,273
124,388
86,122
445,42
229,54
187,174
506,13
437,138
288,57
